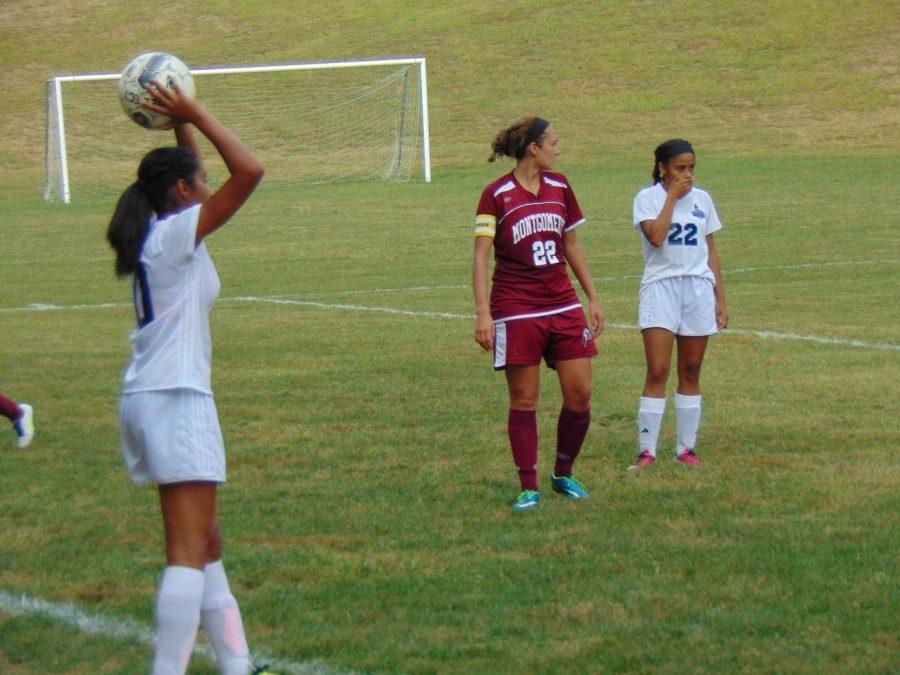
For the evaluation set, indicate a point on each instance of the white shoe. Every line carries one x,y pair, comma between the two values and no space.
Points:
24,426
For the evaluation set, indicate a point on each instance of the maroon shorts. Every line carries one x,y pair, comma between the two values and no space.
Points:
556,337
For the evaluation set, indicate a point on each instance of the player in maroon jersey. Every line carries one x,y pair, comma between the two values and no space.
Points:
529,216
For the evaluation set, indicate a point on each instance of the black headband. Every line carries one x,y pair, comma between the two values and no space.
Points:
671,149
535,131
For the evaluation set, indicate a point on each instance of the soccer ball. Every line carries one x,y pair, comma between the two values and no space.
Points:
158,66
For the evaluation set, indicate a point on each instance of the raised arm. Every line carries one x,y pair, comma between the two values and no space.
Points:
656,230
184,135
246,171
577,260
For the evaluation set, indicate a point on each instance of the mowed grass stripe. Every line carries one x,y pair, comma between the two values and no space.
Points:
760,333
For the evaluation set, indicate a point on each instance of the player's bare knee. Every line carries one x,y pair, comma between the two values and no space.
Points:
657,375
578,399
524,403
689,373
523,399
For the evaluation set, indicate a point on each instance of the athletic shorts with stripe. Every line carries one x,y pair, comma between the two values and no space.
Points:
555,337
171,436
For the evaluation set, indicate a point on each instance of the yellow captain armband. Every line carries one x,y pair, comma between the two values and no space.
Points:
485,225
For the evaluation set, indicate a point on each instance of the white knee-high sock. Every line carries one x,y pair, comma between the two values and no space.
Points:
687,422
221,619
177,617
650,414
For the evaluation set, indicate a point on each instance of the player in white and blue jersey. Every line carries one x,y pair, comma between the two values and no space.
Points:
682,300
170,428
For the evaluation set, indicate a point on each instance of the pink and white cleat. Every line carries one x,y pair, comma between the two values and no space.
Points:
644,459
688,457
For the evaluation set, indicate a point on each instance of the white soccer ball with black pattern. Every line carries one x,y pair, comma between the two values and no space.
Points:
152,66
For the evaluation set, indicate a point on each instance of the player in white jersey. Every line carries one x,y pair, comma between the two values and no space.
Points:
170,429
681,298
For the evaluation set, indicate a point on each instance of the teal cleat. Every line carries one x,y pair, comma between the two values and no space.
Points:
527,500
568,487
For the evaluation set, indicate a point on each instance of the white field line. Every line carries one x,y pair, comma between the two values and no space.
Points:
812,266
274,300
818,339
355,308
378,291
48,307
37,306
19,605
763,334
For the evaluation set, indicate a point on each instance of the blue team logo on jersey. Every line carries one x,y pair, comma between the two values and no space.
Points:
697,212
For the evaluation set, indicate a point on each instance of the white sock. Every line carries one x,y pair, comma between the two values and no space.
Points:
650,414
221,619
687,422
177,617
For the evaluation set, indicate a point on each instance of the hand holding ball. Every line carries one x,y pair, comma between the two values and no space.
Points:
163,69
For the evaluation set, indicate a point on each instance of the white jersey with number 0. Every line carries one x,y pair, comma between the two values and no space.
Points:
684,251
175,287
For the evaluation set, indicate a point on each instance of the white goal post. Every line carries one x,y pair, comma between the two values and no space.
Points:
308,123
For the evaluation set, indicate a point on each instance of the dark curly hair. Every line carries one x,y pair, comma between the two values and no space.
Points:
513,142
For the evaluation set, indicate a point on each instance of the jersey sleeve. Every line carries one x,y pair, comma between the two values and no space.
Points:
713,224
644,209
486,215
180,237
574,216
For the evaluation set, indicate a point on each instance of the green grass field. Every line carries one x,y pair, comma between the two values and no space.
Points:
366,516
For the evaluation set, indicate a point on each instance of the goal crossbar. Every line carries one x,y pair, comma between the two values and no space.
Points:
56,107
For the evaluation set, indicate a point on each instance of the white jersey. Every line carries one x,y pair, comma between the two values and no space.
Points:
684,251
175,286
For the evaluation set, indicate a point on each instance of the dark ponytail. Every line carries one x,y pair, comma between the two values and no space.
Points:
666,151
514,141
128,227
159,171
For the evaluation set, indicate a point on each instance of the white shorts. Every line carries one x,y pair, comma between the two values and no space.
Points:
171,436
684,305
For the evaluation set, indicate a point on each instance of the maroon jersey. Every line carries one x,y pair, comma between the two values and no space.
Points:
530,277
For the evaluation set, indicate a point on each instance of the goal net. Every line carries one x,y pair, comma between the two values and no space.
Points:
308,123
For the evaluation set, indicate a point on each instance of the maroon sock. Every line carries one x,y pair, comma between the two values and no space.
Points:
570,433
524,442
9,409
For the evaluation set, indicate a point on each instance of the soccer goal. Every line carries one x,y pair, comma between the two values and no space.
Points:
307,122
